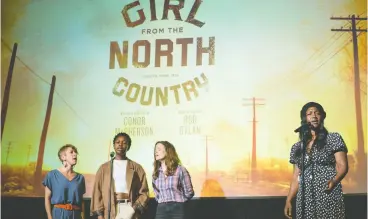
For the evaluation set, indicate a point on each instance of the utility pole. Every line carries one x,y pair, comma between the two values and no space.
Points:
27,161
41,150
358,107
8,152
4,107
254,102
28,153
207,138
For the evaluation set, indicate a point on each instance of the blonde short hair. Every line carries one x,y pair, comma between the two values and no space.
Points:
63,149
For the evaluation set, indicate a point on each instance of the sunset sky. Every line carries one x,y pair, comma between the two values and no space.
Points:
282,51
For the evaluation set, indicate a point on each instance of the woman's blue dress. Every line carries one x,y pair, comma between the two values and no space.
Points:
65,191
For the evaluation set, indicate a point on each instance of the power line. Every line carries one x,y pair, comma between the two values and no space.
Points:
327,45
324,47
25,65
358,105
71,108
44,80
321,50
328,59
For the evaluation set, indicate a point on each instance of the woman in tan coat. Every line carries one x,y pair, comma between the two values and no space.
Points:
129,189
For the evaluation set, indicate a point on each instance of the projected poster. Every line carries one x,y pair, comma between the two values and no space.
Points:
224,81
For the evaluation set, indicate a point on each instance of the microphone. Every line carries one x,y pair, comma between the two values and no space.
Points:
304,127
112,154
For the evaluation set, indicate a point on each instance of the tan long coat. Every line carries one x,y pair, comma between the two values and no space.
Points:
137,187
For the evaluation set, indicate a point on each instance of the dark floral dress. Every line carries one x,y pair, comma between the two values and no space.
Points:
319,167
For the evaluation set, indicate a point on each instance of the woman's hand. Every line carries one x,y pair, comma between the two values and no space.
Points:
287,209
330,185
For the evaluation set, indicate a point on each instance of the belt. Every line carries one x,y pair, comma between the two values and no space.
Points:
169,202
122,201
68,207
121,196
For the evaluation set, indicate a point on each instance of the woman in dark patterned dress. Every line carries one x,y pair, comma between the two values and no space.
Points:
325,165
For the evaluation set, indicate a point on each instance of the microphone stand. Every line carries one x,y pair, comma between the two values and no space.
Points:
111,174
304,134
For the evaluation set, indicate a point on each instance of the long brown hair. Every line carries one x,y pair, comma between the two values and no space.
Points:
171,159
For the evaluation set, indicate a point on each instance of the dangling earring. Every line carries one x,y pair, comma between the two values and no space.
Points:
65,163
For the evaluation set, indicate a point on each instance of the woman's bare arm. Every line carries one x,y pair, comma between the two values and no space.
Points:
342,166
294,185
48,202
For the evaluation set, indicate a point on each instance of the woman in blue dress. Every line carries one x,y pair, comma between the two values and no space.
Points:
64,188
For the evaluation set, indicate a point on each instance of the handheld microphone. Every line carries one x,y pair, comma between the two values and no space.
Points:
304,127
112,154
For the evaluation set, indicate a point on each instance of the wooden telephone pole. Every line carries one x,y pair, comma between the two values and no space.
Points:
208,138
358,105
41,150
254,130
362,159
4,107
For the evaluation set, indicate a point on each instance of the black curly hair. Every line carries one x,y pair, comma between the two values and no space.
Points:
126,136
